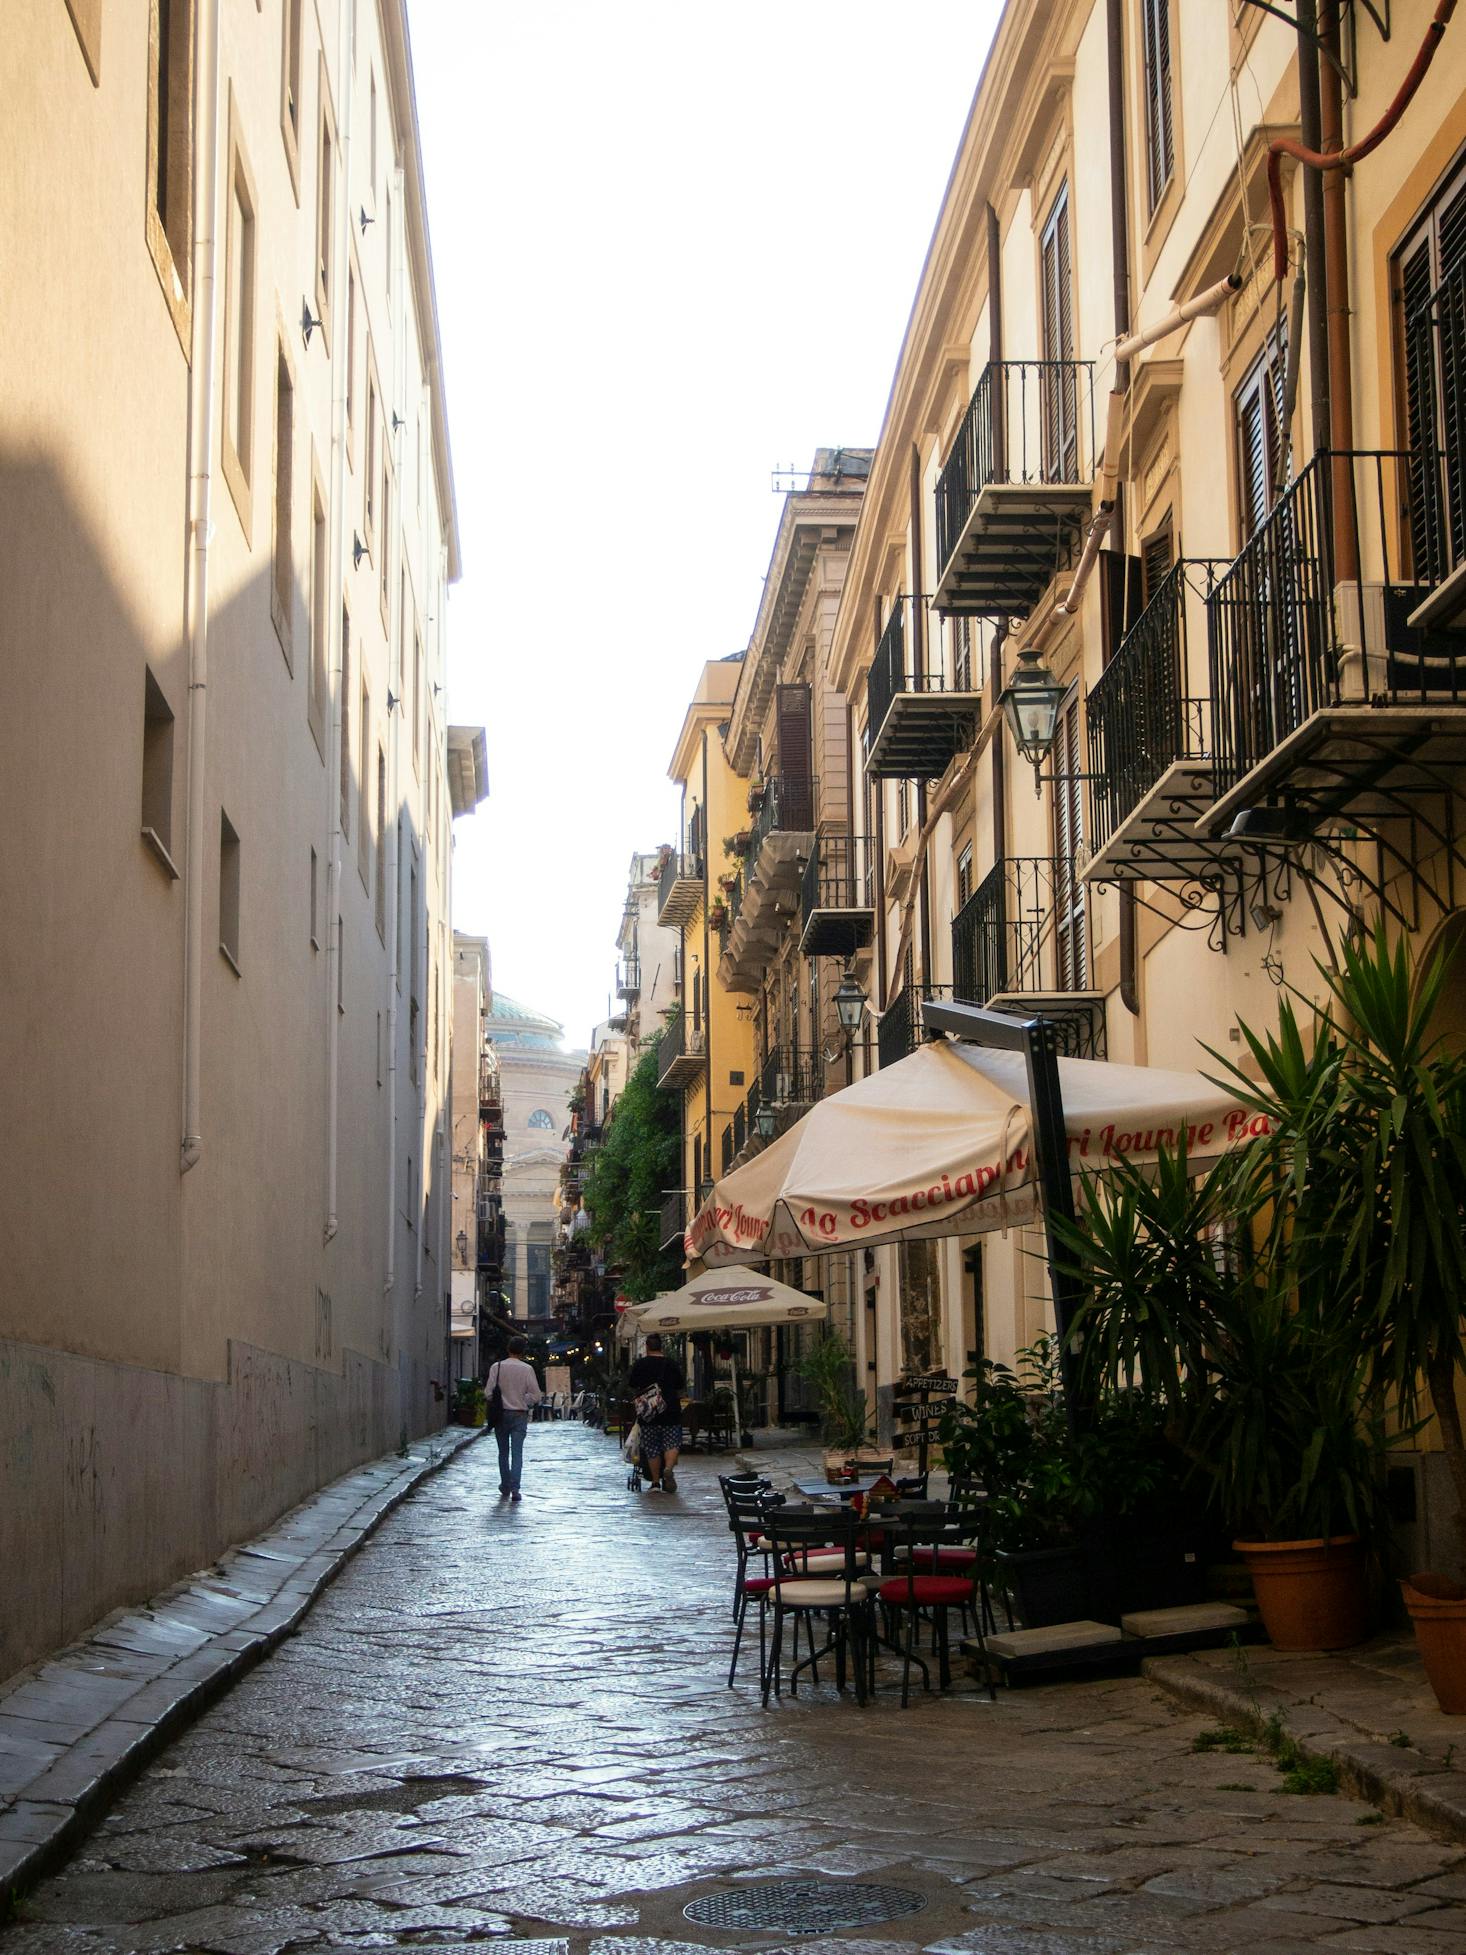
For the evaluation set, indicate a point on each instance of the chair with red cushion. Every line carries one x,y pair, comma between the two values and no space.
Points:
931,1592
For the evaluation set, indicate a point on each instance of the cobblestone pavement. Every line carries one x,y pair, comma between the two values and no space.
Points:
511,1725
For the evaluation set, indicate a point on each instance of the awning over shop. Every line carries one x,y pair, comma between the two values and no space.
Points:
941,1144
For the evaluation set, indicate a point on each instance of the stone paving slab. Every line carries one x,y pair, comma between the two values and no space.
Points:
1369,1711
74,1728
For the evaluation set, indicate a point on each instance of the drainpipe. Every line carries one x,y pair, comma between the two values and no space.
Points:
1000,432
1120,255
1336,250
340,258
1315,248
424,1018
918,661
200,464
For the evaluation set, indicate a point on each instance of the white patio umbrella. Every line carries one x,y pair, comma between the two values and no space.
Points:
940,1144
713,1300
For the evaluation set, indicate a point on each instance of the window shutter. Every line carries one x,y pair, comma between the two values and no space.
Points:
1060,405
1155,561
1159,138
796,789
1068,842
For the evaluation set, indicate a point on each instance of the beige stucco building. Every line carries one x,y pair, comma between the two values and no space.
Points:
538,1078
226,530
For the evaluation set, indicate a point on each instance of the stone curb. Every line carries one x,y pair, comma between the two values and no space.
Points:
1405,1784
76,1727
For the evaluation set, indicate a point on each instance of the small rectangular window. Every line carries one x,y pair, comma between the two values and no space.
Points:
387,241
315,930
239,337
381,889
325,215
369,470
386,532
157,797
340,965
320,615
170,153
345,723
1160,152
364,852
228,890
350,349
379,1048
372,133
290,87
282,583
418,708
964,875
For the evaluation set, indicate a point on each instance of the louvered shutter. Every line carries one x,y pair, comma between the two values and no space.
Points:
1068,845
1420,406
1155,561
792,746
1259,435
1451,345
1159,137
1060,416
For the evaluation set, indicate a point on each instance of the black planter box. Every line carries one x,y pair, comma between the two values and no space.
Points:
1159,1571
1048,1585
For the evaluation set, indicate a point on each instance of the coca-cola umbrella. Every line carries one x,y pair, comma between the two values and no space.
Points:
717,1300
941,1144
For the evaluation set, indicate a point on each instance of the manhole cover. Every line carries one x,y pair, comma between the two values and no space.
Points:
804,1907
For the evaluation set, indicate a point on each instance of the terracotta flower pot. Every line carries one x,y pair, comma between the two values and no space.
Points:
1312,1594
1437,1608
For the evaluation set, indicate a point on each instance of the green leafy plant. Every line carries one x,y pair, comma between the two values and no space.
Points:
829,1369
639,1158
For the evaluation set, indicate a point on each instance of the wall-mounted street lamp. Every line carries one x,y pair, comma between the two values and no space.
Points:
850,1003
766,1119
461,1240
1030,703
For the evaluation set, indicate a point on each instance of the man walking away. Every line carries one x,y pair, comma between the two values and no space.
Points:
656,1382
519,1391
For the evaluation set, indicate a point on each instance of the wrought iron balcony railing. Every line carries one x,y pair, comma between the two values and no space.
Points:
1023,929
679,885
1015,487
773,859
837,899
899,1031
681,1052
1291,636
628,978
1143,713
790,1078
788,806
917,721
674,1217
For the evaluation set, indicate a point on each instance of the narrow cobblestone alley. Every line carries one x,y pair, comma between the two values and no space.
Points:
512,1724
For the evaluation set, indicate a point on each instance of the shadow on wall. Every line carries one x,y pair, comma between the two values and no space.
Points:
181,1357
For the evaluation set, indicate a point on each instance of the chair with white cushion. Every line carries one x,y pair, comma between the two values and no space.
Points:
817,1569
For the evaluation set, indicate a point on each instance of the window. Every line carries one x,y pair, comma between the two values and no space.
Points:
369,469
1060,399
414,1007
381,889
239,335
387,241
1157,553
964,875
282,583
315,930
350,350
386,511
345,723
1259,410
340,965
290,88
903,807
401,959
169,218
1160,152
1430,278
541,1120
418,706
372,132
320,617
325,215
961,654
157,797
364,851
228,890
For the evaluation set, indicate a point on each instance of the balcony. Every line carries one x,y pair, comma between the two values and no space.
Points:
1327,702
674,1219
1020,943
628,979
1149,724
837,900
679,889
900,1031
918,723
766,897
681,1053
790,1081
1014,494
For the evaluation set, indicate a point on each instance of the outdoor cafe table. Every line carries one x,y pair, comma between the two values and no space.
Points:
828,1490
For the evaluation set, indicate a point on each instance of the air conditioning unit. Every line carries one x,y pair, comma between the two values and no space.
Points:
1363,648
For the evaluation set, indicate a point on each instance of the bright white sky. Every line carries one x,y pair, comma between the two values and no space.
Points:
676,245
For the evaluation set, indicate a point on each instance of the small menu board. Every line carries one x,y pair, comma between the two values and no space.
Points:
918,1403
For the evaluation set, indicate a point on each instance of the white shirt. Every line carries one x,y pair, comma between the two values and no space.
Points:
518,1386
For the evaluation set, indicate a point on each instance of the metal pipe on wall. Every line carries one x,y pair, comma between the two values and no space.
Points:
1000,633
202,421
1120,256
1309,113
1336,251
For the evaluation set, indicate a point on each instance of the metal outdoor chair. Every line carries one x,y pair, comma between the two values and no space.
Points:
801,1543
928,1590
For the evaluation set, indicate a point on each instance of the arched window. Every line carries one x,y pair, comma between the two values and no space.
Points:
539,1118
